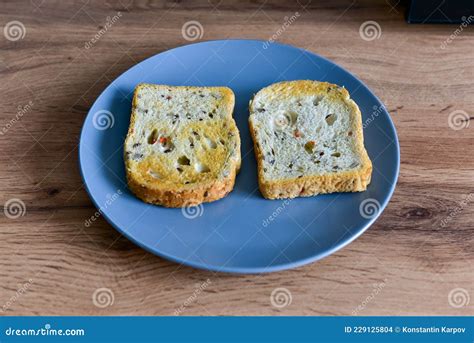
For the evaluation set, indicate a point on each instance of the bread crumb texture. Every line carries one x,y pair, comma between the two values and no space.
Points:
308,140
183,145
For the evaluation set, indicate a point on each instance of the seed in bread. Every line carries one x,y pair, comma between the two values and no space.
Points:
308,140
183,146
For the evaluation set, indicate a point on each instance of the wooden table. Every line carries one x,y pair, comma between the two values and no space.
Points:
408,263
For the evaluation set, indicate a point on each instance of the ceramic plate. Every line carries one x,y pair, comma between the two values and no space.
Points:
242,233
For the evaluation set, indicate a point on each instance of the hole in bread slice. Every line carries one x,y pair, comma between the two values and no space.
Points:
153,137
330,119
201,168
210,143
184,161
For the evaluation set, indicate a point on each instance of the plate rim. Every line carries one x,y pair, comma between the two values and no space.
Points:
246,270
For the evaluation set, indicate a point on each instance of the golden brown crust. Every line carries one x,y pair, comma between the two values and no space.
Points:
170,194
192,196
344,181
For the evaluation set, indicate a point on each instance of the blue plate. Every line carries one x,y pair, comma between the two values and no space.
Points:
242,233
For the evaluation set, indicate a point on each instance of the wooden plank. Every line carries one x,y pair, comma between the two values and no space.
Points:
406,264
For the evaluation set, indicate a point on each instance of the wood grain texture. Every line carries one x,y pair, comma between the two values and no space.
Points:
406,264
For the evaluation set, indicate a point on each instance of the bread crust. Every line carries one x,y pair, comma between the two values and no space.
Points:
179,195
174,197
355,180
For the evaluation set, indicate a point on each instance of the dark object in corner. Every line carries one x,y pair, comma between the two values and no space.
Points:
441,11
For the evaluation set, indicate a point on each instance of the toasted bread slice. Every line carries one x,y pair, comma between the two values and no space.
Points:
308,140
183,146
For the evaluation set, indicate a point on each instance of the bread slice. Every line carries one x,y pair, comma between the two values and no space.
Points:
183,146
308,140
